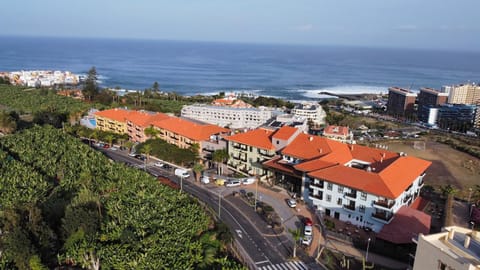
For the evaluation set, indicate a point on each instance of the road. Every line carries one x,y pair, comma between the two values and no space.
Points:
262,251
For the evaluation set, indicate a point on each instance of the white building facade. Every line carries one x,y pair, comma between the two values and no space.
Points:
312,112
236,118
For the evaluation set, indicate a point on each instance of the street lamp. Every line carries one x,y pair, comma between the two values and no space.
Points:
256,194
368,246
181,183
469,195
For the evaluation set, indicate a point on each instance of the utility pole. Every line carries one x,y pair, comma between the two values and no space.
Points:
256,194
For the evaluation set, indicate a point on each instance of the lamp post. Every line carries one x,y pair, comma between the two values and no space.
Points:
469,195
256,194
181,183
368,246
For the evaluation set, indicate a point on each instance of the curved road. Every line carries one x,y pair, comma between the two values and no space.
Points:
260,251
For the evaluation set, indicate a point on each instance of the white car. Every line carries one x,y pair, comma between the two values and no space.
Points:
292,203
307,240
248,181
158,164
308,230
205,180
132,154
232,183
113,148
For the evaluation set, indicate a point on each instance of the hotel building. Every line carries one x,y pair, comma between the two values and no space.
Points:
455,248
174,130
235,118
338,133
312,112
358,184
463,93
427,100
401,102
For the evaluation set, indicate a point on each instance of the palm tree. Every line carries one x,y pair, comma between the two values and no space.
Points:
109,139
219,156
146,149
198,169
129,145
151,132
296,234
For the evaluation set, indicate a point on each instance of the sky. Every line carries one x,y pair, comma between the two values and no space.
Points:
428,24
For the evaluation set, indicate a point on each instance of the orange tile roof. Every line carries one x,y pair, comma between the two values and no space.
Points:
389,183
306,147
116,114
189,129
314,165
336,130
144,119
259,138
285,132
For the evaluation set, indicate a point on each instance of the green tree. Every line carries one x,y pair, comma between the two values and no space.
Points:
129,145
90,90
156,87
219,157
198,168
151,132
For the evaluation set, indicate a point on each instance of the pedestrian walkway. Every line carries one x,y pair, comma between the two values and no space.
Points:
293,265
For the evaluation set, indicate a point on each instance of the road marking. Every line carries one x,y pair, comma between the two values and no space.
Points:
293,265
266,261
239,232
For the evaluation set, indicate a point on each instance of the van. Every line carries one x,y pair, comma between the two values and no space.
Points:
233,183
182,173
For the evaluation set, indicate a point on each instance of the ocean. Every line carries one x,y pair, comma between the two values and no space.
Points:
293,72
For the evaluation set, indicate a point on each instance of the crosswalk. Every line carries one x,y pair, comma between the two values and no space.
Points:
293,265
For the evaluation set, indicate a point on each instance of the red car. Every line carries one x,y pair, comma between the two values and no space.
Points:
308,222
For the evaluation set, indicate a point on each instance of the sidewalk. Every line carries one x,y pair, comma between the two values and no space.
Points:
293,219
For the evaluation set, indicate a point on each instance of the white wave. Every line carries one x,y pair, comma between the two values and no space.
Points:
345,90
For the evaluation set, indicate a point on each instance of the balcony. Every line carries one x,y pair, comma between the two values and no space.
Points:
318,184
384,204
420,184
407,198
318,196
266,153
350,207
384,217
352,194
236,146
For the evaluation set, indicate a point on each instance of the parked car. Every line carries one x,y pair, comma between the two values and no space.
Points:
166,166
132,154
141,157
248,181
307,221
205,179
220,181
292,203
307,240
114,148
182,173
158,164
308,230
233,183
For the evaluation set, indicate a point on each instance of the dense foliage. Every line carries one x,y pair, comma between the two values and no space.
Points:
169,152
268,102
64,204
33,101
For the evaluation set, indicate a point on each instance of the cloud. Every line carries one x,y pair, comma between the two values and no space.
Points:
303,28
406,27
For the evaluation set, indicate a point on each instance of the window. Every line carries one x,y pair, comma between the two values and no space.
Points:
441,265
363,196
361,208
339,201
329,198
329,186
340,189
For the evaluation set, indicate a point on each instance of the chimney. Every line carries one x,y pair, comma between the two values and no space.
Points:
310,138
466,244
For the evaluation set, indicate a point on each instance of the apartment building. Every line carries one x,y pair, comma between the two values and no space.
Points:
312,112
338,133
455,248
174,130
401,102
428,101
236,118
114,120
463,93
